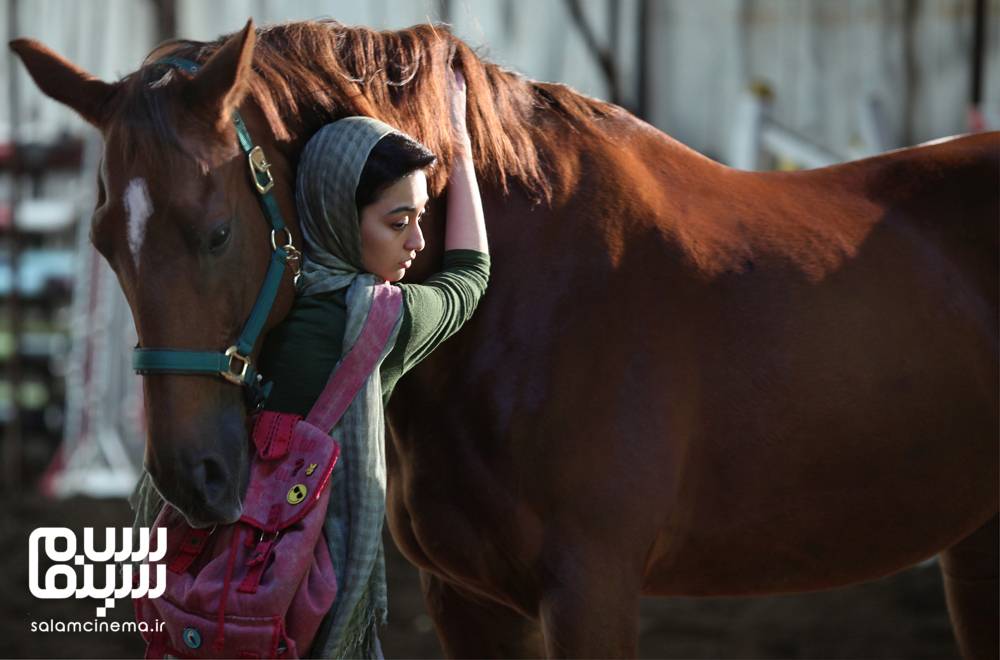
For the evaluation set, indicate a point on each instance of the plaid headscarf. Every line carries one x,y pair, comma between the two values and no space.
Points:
328,175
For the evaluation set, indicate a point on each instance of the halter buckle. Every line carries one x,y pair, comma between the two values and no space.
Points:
258,163
231,374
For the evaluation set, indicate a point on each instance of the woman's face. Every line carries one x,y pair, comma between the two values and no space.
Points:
390,227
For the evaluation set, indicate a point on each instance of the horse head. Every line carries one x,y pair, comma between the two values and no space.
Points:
178,220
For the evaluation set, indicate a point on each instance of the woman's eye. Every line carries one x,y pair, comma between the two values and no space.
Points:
219,238
401,224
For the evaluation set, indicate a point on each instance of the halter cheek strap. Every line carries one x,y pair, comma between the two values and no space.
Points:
234,364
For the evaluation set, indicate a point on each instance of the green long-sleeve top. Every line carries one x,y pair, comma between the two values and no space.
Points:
300,352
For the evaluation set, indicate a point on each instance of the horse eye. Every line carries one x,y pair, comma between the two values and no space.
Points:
219,238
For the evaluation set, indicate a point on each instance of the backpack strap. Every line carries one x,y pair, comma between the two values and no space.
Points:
347,380
156,647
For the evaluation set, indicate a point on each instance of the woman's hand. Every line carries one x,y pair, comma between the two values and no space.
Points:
457,105
465,227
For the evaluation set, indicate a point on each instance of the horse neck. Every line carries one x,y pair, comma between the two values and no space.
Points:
621,158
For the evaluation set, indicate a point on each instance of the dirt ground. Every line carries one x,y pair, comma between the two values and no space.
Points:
902,616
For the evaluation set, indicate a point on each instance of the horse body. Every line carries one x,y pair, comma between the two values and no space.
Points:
712,382
683,380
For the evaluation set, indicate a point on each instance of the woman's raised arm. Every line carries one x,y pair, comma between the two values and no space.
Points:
465,228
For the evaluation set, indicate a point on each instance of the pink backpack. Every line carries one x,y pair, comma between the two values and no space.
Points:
260,587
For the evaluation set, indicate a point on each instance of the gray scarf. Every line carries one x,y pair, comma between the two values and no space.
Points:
328,175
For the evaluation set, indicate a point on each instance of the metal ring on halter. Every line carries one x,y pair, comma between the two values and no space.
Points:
294,258
274,241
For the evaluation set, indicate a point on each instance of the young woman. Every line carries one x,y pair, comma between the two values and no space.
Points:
361,193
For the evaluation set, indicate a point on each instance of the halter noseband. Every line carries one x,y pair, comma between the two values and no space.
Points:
233,365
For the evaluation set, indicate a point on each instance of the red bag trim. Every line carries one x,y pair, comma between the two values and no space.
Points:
220,639
257,564
279,636
273,434
191,547
157,646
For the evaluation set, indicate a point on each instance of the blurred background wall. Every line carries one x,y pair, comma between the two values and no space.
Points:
753,83
819,56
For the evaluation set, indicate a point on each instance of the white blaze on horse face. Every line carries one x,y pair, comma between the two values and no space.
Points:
139,207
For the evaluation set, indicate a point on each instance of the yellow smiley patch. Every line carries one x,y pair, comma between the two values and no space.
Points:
297,494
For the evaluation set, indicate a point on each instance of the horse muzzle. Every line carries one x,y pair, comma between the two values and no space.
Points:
204,480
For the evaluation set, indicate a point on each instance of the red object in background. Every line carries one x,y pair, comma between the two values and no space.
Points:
983,118
6,154
46,484
6,160
977,123
6,216
64,153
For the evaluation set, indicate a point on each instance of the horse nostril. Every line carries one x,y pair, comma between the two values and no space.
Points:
210,479
207,492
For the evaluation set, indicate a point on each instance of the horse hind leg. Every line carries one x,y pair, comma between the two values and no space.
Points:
971,571
469,626
590,609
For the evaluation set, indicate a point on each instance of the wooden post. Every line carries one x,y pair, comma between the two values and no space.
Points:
166,19
911,70
978,45
642,92
604,56
14,434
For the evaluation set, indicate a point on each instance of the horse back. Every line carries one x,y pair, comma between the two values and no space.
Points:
943,198
950,187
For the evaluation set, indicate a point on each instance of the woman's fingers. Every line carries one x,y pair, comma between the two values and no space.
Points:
457,101
456,88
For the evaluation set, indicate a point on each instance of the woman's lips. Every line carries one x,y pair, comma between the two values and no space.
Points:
406,264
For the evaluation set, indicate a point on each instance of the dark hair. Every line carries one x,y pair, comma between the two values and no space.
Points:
393,157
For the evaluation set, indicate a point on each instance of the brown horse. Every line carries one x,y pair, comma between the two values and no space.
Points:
683,380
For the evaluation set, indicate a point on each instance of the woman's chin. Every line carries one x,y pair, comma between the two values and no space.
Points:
389,274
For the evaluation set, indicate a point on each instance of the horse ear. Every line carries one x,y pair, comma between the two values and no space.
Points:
225,79
65,82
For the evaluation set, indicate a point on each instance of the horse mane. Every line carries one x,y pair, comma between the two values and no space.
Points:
307,74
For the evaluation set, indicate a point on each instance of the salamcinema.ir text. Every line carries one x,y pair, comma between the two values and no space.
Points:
94,626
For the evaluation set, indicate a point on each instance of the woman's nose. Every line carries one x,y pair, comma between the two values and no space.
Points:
415,241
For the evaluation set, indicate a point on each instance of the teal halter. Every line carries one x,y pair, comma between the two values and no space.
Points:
233,365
